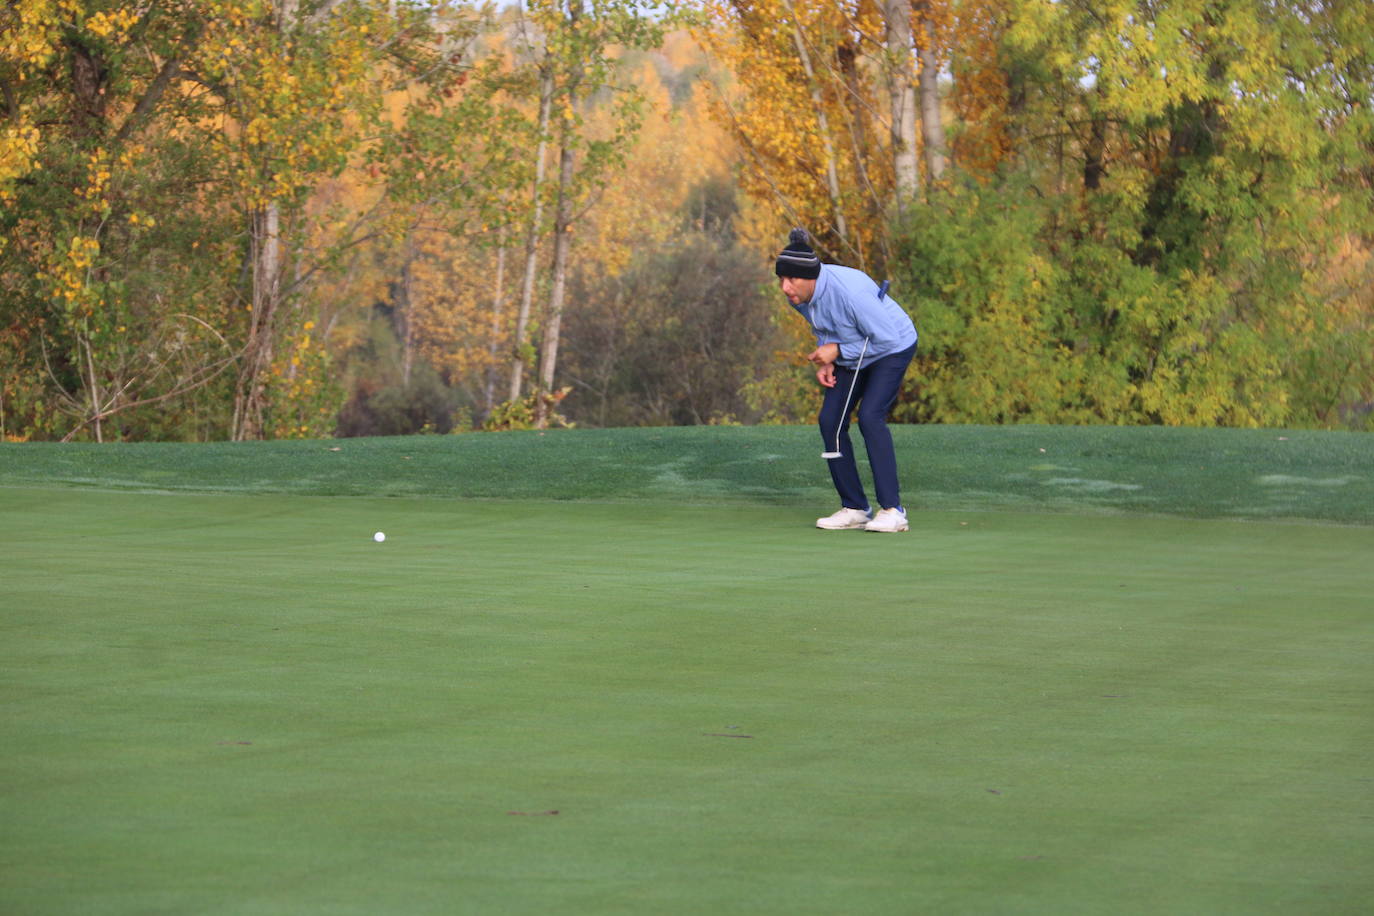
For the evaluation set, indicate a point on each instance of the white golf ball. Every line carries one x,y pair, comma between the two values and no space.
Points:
379,537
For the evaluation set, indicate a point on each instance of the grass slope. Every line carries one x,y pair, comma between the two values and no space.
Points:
1260,474
236,702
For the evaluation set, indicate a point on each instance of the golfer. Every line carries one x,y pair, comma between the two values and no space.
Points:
864,343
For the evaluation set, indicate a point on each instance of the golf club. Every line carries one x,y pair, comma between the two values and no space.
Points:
844,414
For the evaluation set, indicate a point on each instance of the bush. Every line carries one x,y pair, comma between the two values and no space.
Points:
423,405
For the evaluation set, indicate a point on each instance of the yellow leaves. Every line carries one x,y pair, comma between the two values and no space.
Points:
99,171
31,37
803,103
17,141
236,14
82,252
254,131
128,157
32,31
111,23
18,152
65,271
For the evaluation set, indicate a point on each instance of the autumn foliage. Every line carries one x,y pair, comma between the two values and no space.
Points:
275,218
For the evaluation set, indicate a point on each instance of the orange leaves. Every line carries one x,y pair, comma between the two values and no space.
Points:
980,98
807,107
82,252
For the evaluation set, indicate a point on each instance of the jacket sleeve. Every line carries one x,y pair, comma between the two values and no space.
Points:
882,322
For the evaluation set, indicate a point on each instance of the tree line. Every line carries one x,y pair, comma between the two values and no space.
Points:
274,218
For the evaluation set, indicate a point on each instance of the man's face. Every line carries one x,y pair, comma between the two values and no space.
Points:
797,289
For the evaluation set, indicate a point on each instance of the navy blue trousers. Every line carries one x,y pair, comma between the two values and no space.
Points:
875,392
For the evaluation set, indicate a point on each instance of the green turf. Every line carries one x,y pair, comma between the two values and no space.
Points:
1209,473
227,702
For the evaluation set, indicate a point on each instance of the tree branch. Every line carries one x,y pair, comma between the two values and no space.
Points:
156,89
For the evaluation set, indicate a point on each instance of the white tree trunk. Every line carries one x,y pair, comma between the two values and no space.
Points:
932,127
905,163
522,321
250,396
498,308
93,385
250,399
562,227
405,309
562,245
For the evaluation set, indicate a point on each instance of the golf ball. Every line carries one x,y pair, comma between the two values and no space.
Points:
379,537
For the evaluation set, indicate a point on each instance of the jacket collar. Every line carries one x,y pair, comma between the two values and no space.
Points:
822,282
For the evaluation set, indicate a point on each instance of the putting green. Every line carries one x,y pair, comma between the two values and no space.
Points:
242,704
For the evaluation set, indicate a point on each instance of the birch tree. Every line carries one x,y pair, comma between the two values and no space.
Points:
902,101
169,224
932,120
580,42
805,107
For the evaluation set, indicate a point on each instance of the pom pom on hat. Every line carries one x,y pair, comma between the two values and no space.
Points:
797,259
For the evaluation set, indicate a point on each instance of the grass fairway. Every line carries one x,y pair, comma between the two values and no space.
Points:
656,689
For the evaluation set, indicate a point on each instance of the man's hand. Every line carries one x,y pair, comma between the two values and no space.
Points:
825,354
824,357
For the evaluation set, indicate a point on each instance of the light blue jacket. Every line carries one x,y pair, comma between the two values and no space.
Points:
845,309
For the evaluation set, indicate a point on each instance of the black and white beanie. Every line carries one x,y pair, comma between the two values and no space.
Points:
797,259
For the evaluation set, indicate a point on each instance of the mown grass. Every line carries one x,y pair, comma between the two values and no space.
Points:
219,695
1206,473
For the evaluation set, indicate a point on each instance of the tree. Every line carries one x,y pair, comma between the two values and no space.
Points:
674,340
674,324
307,100
804,108
902,106
1166,181
932,119
98,325
580,45
535,226
176,210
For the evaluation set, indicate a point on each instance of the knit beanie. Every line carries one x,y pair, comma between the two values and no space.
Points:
797,259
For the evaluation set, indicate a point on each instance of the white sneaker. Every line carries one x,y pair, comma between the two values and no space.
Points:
843,520
889,521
